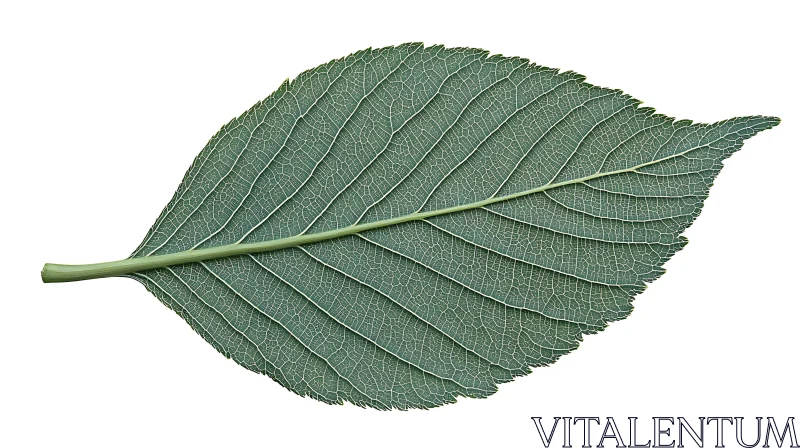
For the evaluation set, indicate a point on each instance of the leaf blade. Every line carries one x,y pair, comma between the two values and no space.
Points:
483,183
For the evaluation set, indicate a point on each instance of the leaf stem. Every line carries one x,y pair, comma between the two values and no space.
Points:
56,273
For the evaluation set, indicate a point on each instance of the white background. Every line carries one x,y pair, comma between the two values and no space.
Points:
103,108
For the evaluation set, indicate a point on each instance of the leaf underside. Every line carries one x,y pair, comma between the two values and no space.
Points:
414,315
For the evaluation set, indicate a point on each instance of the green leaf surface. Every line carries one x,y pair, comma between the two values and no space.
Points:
407,225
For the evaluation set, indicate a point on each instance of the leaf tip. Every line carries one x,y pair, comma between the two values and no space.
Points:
771,122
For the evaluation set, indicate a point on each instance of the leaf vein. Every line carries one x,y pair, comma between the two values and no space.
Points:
436,143
325,360
396,302
244,148
507,119
408,257
384,349
526,262
316,165
388,142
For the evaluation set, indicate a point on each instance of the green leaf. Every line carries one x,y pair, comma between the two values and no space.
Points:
407,225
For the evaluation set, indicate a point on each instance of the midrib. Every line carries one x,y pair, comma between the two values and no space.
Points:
54,273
